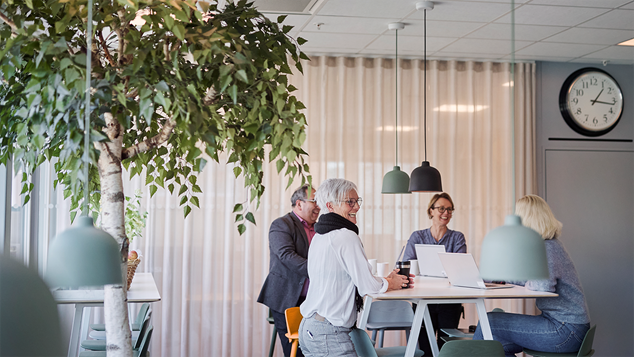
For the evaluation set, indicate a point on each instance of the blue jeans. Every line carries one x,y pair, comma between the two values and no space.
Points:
540,333
321,338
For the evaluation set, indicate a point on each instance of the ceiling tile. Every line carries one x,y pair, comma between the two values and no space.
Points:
552,15
559,49
296,21
522,32
484,46
409,43
466,56
346,25
608,4
592,36
628,6
463,11
615,19
334,41
368,8
613,53
440,28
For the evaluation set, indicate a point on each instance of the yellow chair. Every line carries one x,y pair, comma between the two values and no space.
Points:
293,319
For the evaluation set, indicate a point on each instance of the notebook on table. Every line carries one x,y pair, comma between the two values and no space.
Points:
428,261
462,271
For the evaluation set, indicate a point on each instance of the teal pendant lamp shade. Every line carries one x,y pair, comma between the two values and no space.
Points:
425,179
29,322
84,256
513,252
395,181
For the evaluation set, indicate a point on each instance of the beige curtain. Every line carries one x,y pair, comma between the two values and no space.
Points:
209,276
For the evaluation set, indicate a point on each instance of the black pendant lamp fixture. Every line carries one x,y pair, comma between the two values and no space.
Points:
425,178
396,181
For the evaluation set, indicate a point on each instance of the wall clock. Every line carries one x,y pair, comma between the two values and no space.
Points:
591,102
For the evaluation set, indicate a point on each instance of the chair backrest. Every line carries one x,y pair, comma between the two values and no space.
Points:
390,311
145,343
143,311
293,319
586,346
142,333
362,343
472,348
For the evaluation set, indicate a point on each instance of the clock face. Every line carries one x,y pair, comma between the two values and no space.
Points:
591,102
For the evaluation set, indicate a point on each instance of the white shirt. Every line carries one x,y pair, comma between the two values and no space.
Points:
336,264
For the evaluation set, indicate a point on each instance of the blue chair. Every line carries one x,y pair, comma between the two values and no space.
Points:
389,315
364,347
584,351
100,345
134,326
142,351
474,348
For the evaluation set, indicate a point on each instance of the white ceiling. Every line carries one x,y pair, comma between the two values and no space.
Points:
550,30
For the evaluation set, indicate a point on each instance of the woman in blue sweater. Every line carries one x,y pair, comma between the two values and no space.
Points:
440,211
564,320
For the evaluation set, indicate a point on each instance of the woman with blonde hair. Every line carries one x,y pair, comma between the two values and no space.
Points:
564,320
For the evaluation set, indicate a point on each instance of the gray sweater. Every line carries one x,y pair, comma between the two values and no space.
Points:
570,306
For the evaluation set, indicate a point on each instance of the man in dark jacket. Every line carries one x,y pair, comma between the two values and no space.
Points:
289,238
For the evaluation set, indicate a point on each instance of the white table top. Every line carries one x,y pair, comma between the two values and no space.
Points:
143,289
439,288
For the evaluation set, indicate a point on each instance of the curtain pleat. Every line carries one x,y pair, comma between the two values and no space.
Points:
209,276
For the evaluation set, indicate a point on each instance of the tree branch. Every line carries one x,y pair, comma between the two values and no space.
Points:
106,52
150,143
4,18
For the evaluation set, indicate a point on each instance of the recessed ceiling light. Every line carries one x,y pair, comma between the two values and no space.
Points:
627,43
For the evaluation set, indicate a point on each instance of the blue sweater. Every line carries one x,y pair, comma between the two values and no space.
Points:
453,241
570,306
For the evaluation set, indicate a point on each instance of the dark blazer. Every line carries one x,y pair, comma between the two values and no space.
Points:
288,246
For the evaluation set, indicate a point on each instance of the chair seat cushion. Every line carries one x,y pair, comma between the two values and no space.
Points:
389,325
548,354
102,327
97,345
102,354
395,352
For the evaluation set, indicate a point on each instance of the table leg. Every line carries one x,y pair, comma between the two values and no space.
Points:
484,320
421,314
365,312
73,347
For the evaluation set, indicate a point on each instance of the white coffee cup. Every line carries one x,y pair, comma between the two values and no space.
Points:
382,269
414,267
373,265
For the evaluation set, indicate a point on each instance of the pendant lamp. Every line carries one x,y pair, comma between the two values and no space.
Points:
425,178
513,252
83,255
396,181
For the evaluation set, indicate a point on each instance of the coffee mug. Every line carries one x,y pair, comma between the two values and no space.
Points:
373,265
383,269
404,268
414,267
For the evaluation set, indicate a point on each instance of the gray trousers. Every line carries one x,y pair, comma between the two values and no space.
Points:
321,338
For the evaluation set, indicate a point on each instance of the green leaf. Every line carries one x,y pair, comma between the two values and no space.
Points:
241,228
301,41
183,200
187,211
237,208
239,217
153,190
242,75
194,201
250,218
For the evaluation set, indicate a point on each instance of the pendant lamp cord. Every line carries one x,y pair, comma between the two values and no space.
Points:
87,109
513,101
396,103
425,82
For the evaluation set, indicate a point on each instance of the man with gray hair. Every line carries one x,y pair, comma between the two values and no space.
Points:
289,237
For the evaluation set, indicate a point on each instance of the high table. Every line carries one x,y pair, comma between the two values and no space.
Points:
142,289
439,291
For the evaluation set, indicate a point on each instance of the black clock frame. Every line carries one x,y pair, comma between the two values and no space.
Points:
563,103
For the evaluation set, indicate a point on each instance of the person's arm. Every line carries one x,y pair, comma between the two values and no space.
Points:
410,248
460,243
550,284
282,244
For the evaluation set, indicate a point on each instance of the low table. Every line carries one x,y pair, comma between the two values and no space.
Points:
438,291
143,289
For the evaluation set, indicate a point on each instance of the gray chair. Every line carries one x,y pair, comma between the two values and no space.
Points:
274,335
142,351
100,345
389,315
134,326
364,348
584,351
474,348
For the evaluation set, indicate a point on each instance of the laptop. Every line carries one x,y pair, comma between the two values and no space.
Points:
462,271
428,262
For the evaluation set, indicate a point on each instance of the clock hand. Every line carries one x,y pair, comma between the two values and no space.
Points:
597,98
598,101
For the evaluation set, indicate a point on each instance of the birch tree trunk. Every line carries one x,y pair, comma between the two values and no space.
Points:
118,332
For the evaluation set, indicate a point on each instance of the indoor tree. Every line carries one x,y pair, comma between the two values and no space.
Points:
173,82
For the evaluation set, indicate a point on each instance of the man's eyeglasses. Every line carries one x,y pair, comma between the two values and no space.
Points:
351,202
311,201
443,209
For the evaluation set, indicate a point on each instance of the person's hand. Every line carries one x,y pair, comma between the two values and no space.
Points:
396,281
411,280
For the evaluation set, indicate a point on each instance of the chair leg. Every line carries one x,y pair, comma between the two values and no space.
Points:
374,338
294,348
381,338
273,337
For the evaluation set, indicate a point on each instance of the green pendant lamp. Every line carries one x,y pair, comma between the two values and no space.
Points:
29,321
513,252
83,255
425,178
396,181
